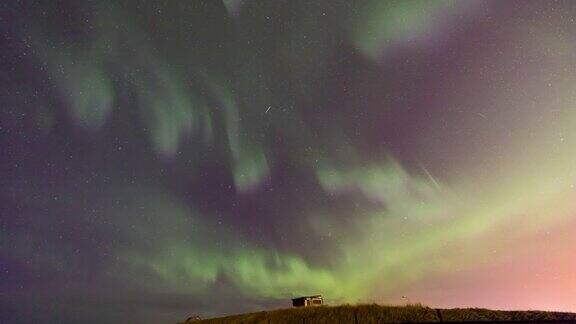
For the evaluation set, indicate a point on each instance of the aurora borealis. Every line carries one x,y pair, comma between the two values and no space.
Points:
160,159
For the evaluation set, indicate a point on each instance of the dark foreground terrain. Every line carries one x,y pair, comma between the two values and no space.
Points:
367,314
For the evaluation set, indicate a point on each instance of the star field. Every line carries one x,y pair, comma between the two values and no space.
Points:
166,158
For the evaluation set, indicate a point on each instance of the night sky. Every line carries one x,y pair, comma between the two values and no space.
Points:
160,159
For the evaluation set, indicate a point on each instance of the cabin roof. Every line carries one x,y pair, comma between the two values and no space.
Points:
306,297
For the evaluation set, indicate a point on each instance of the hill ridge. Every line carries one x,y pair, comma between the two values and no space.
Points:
374,313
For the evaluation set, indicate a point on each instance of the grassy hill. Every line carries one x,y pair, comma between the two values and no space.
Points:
368,314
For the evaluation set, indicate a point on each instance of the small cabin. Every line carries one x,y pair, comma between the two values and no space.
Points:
307,301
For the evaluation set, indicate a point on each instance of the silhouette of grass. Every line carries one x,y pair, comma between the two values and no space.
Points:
335,314
373,313
481,314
